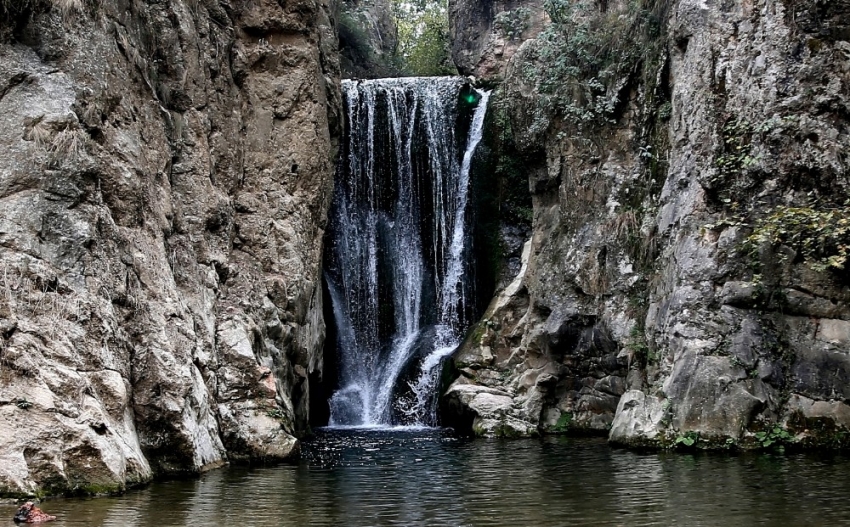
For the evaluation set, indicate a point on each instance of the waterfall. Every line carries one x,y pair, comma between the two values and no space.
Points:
398,249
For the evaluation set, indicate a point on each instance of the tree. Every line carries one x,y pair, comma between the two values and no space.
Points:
423,37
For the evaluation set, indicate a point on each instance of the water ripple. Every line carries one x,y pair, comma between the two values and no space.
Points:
429,477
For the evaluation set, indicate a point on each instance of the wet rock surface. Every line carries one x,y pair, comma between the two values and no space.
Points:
165,172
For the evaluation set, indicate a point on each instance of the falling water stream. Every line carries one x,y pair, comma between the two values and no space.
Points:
398,252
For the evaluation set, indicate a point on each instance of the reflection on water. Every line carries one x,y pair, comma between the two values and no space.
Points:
428,477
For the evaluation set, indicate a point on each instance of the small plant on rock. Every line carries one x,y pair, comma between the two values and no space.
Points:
643,353
563,423
774,436
275,413
688,439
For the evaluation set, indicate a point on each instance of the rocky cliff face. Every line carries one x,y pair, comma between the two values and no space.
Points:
368,38
677,285
486,34
165,171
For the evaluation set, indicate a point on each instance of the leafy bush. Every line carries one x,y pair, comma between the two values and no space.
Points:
687,439
775,435
584,56
511,24
820,236
423,38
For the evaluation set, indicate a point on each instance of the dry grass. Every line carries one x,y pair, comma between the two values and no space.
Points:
67,146
640,242
623,225
12,9
39,131
34,298
24,298
64,140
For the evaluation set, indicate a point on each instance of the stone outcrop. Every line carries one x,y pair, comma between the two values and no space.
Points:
165,173
368,37
643,310
485,34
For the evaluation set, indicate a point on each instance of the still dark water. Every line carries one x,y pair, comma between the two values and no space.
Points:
428,477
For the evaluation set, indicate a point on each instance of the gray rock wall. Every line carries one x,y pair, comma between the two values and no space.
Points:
648,317
368,39
165,171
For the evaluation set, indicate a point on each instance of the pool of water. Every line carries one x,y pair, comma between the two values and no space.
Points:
429,477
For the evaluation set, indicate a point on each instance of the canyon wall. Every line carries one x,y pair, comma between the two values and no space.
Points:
368,37
684,283
165,174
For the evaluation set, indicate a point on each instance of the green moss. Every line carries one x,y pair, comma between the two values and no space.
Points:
98,489
500,179
818,432
814,45
477,332
508,169
352,34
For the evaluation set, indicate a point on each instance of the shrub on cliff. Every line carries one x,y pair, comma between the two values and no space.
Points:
587,55
820,236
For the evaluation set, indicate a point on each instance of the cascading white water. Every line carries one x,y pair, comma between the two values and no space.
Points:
399,248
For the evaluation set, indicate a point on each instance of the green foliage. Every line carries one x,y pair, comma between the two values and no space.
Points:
776,435
423,38
275,413
511,24
23,404
644,354
820,236
563,423
688,439
732,160
586,56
